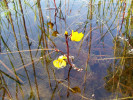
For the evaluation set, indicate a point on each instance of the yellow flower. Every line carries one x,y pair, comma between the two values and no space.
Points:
60,62
75,36
66,33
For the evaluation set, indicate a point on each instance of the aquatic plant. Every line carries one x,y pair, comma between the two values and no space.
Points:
61,61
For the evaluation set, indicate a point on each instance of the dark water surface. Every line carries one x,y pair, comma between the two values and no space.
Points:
31,30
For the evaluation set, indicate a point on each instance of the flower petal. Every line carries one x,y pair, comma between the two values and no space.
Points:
76,36
60,62
62,57
63,64
56,63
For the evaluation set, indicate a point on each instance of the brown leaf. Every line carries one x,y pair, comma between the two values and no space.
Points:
76,89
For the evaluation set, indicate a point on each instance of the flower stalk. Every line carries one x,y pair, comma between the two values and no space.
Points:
61,61
71,65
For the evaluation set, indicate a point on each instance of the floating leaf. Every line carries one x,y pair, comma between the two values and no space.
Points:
76,89
55,33
51,25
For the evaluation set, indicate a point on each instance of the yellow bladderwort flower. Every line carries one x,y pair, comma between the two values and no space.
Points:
66,33
75,36
60,62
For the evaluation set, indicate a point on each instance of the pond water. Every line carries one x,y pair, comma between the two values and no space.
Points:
32,37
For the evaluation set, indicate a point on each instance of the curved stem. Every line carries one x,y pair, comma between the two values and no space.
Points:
72,65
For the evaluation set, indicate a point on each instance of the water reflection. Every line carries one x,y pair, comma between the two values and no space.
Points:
30,31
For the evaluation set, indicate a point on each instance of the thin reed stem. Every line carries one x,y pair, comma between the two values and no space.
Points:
27,38
11,21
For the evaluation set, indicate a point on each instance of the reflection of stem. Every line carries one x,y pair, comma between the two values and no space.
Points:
27,50
55,4
63,84
43,33
50,85
68,7
34,61
43,37
55,8
87,60
13,67
123,17
53,93
11,21
25,29
17,22
5,88
56,87
68,81
88,51
11,71
17,92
